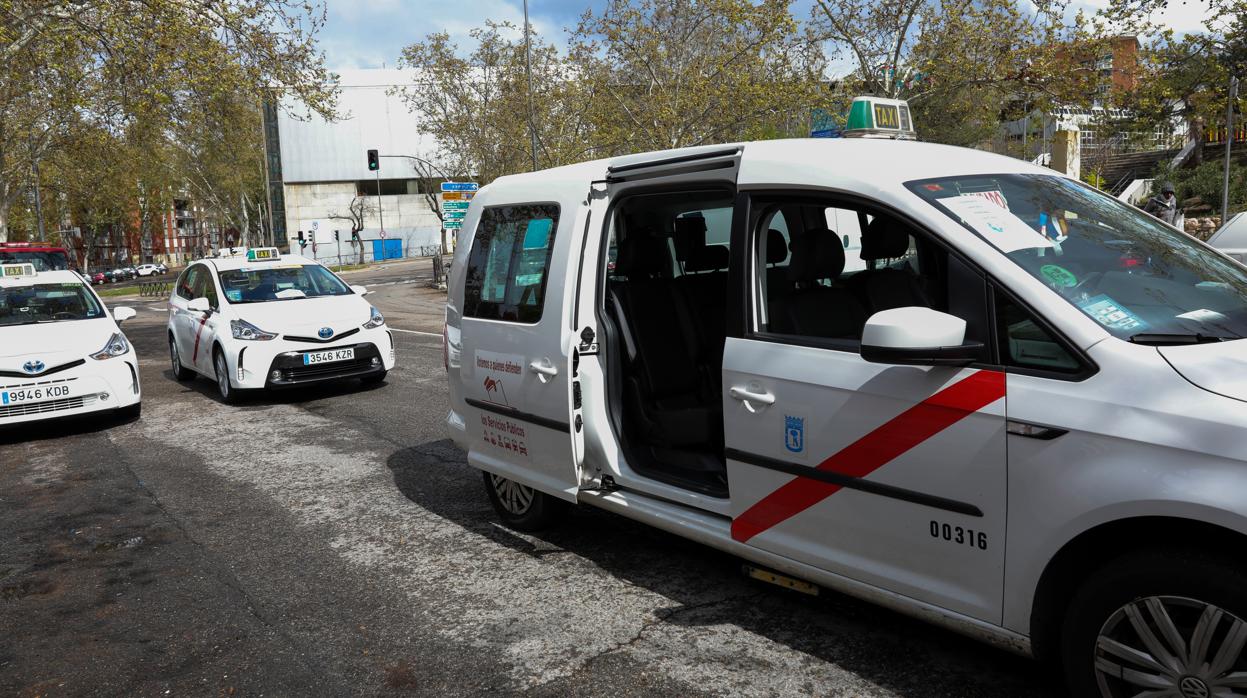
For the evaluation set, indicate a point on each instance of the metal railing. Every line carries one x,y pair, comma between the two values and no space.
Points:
153,289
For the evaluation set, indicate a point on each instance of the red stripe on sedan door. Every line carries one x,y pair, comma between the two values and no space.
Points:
872,451
198,331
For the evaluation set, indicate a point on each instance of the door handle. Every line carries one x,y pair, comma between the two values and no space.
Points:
746,395
544,370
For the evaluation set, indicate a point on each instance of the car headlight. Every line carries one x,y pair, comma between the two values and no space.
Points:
116,346
241,329
376,319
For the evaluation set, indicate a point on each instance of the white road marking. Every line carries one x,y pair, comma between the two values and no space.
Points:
427,334
158,310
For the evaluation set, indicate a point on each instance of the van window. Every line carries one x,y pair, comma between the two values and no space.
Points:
506,269
814,286
1024,343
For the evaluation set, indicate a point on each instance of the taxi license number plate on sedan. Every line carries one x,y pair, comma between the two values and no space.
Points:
324,357
12,397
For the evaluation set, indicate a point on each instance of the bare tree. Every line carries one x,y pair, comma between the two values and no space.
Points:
431,177
359,209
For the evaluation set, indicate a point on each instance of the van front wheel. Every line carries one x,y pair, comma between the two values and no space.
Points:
521,507
1161,623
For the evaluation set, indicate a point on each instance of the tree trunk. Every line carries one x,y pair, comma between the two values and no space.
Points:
4,221
246,220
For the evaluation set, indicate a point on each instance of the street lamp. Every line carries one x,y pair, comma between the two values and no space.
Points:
528,72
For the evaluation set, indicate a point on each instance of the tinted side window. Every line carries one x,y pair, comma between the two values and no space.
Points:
1024,343
184,284
202,285
507,266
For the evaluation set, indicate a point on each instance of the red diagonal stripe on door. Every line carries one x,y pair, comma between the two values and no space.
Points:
198,331
872,451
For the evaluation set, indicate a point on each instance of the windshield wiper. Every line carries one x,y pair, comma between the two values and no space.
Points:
1175,338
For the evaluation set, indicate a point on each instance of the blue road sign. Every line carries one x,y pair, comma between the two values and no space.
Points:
460,186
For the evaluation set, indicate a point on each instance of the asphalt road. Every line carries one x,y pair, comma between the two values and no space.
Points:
332,542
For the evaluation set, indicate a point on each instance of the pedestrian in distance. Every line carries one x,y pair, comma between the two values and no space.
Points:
1165,206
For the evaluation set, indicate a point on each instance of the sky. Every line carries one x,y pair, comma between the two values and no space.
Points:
372,33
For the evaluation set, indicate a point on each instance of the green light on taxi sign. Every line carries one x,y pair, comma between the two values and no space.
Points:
859,115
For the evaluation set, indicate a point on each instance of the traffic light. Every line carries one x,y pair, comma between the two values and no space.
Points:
374,162
302,242
335,236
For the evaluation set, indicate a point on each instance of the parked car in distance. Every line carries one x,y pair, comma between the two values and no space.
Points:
150,269
1231,238
99,277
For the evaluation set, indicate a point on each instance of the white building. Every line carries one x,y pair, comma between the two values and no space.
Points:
317,168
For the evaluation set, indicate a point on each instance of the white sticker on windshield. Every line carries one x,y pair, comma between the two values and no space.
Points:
1000,227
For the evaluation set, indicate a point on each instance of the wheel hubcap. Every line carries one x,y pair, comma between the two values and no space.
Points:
1171,646
515,498
222,375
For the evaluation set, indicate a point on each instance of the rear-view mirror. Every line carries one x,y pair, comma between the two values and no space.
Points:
199,305
917,336
123,313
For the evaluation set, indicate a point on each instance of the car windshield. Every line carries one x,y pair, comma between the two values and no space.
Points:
43,260
262,284
24,305
1138,278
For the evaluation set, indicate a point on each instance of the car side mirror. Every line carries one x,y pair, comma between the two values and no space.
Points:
122,313
917,336
360,290
199,305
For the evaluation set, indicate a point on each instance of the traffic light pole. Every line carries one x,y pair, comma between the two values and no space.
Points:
380,208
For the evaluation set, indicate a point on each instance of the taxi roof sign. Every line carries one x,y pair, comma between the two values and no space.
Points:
879,117
9,271
263,254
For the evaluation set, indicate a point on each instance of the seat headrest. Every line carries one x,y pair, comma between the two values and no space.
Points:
776,247
641,255
690,237
884,238
709,258
816,254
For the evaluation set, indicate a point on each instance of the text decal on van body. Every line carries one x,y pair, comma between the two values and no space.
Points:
872,451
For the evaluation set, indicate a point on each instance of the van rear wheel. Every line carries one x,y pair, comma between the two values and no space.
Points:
522,507
1161,623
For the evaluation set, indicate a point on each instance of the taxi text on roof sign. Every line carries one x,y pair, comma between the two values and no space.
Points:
15,270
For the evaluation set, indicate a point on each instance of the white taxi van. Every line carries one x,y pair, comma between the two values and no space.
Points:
61,353
1022,417
254,319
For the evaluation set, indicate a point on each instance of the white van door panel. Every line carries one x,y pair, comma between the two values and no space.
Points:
890,475
517,372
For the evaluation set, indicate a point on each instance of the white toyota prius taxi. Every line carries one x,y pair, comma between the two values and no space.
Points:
1021,414
61,353
258,319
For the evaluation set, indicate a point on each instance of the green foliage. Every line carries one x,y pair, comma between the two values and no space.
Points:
638,75
1205,182
141,79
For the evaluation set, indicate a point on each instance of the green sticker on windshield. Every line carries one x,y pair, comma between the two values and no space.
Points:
1058,275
